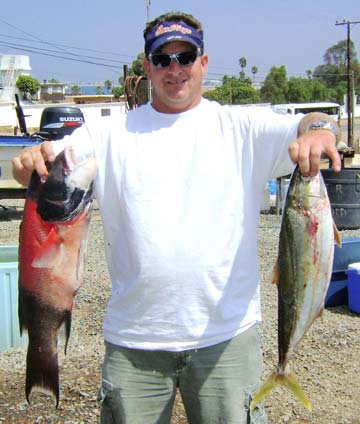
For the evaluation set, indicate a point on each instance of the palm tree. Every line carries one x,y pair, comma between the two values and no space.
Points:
108,85
254,71
242,62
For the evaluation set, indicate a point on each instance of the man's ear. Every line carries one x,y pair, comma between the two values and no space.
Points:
146,65
204,63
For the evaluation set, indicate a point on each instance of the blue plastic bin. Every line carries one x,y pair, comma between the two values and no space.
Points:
272,186
354,287
9,327
337,293
348,253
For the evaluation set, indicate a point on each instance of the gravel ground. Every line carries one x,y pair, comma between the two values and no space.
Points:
326,363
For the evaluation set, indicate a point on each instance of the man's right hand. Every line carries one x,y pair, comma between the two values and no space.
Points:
32,159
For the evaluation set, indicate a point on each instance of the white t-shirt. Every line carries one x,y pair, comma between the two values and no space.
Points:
179,196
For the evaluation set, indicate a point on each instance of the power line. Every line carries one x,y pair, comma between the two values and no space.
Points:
51,53
35,37
103,52
83,58
30,50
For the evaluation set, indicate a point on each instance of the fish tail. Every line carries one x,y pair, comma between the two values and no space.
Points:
42,322
291,382
286,379
42,371
21,312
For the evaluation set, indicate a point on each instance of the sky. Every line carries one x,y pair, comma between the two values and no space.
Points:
86,41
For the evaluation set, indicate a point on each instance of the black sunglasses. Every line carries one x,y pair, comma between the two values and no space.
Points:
162,60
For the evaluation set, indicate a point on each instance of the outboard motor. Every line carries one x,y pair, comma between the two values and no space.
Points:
57,122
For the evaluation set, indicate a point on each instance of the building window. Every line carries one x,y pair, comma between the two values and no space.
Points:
105,112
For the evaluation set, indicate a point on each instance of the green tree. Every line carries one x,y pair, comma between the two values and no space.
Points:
137,67
337,54
304,90
243,63
117,92
254,71
334,73
298,91
99,90
234,91
331,75
108,85
320,92
75,90
275,87
28,86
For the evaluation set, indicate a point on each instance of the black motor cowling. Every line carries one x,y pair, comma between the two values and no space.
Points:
57,122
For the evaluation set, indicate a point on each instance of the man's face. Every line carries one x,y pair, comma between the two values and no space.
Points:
176,88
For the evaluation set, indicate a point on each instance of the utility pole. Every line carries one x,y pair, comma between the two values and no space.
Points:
147,21
349,99
148,10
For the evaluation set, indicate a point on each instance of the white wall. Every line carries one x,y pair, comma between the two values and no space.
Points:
33,112
356,112
7,114
90,111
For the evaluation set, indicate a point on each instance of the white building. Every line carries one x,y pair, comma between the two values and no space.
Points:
11,67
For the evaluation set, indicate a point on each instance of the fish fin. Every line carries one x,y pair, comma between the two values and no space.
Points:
83,250
21,312
337,236
291,382
285,379
320,314
67,328
47,254
80,266
264,390
42,371
275,274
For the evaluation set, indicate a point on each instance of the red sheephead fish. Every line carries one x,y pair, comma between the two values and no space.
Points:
52,247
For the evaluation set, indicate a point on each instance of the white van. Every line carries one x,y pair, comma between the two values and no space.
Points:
332,109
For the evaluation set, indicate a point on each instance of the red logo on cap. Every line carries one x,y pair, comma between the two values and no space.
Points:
174,27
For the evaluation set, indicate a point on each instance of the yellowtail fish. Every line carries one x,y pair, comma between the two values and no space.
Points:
302,273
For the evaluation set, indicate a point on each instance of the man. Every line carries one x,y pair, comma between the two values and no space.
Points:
179,186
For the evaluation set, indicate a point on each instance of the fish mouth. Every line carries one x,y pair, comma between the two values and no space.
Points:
63,203
306,178
62,210
315,196
58,202
68,190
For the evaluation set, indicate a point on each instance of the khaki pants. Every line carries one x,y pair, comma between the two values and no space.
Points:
216,383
